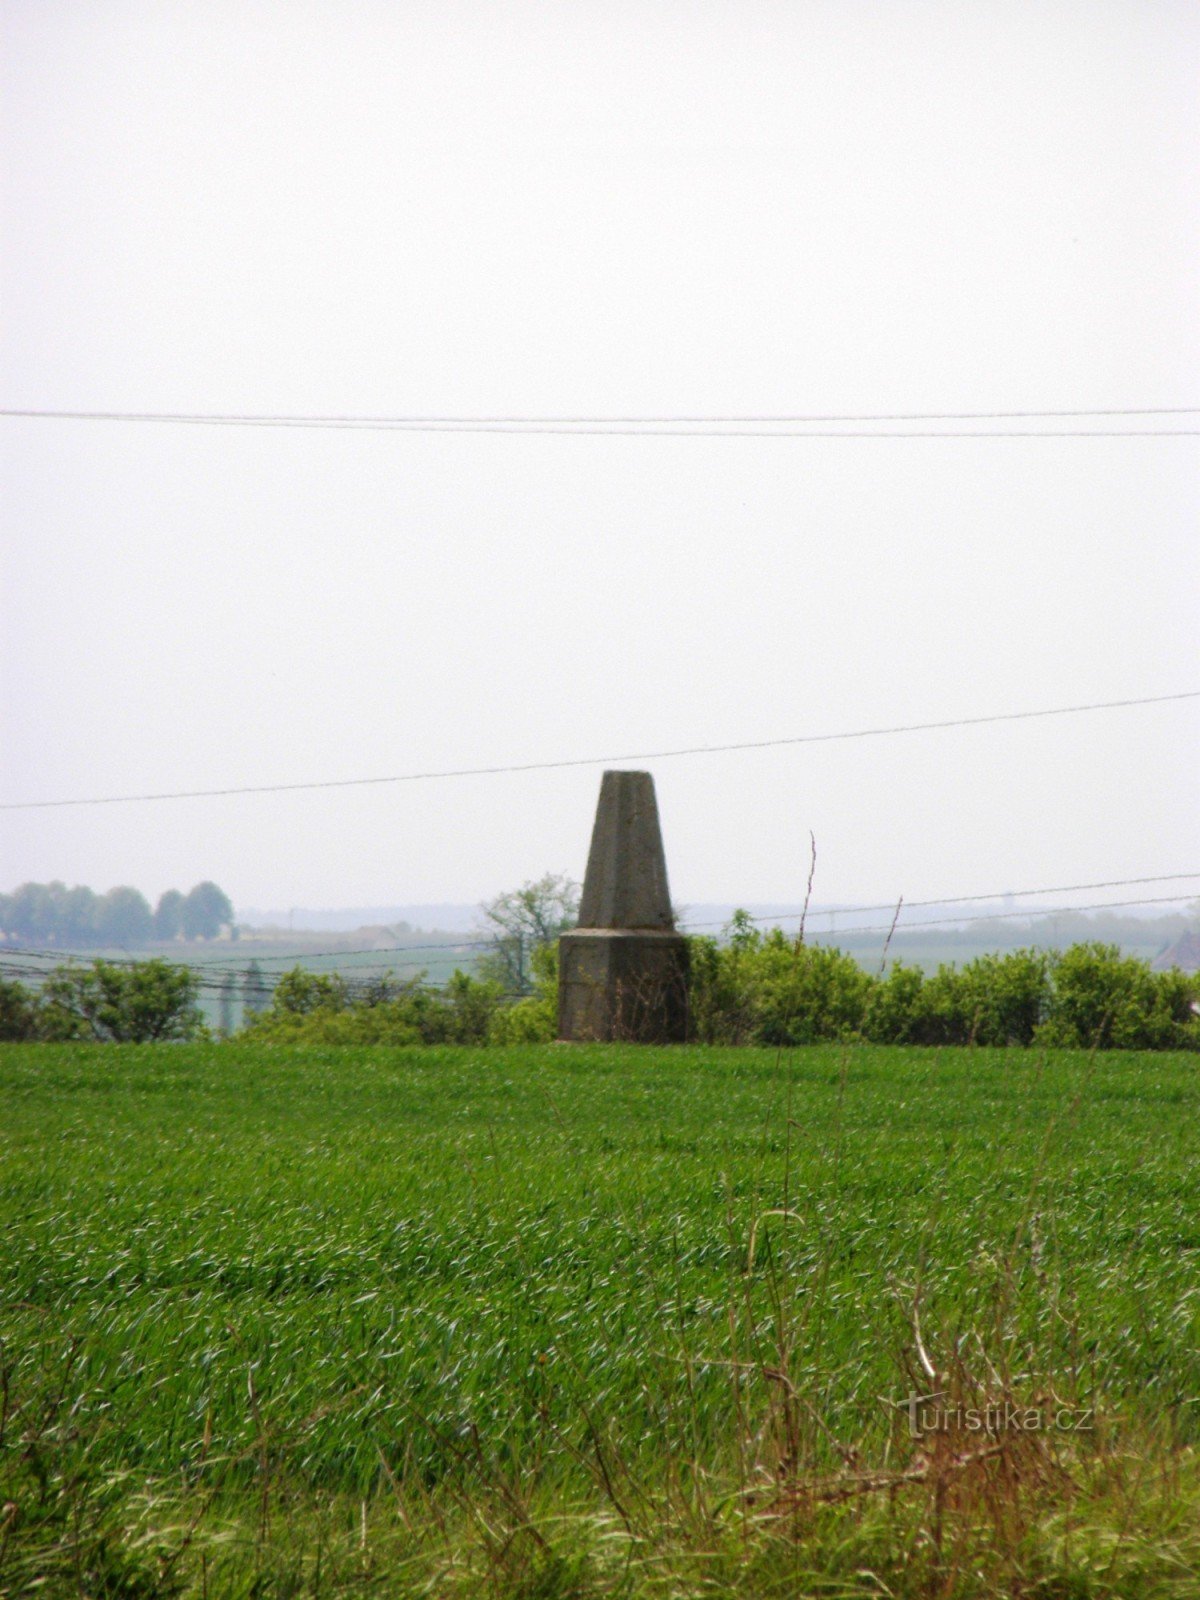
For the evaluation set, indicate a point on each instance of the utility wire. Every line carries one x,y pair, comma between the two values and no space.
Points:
1002,916
594,761
221,965
959,900
732,427
217,987
454,949
559,419
461,419
211,984
822,911
222,968
448,946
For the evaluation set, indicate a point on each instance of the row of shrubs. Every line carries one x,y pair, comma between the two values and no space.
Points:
319,1008
767,988
147,1001
754,988
138,1001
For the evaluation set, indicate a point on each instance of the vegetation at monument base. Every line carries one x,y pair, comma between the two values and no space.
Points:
769,988
756,988
598,1321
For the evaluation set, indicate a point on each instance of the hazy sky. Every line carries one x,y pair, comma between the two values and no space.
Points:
609,209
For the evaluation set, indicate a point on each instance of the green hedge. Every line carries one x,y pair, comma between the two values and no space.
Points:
767,988
755,988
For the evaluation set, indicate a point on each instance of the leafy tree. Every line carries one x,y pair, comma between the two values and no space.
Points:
770,988
897,1008
1106,1000
123,917
533,1020
79,916
994,1000
18,1011
168,916
31,912
205,910
300,992
139,1003
522,921
50,912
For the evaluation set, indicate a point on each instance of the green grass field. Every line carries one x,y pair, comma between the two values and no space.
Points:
575,1320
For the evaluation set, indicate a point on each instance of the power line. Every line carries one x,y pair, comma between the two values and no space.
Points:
236,978
1002,916
908,905
594,761
210,983
466,419
222,967
449,949
221,963
731,427
962,900
987,916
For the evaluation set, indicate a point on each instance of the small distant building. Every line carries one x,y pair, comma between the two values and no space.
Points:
1184,954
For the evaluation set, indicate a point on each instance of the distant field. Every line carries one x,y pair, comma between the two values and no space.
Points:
933,948
257,1294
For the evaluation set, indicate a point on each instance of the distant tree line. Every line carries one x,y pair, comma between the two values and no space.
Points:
50,913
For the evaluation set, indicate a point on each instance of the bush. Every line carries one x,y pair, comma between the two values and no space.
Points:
1108,1001
771,989
757,988
135,1004
322,1008
18,1011
898,1010
299,992
768,989
993,1000
533,1020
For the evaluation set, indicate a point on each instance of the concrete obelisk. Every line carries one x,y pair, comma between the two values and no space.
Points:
623,971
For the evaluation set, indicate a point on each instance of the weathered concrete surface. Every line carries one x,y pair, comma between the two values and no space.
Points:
620,984
625,885
623,971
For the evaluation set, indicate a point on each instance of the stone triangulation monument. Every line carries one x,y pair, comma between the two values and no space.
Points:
623,971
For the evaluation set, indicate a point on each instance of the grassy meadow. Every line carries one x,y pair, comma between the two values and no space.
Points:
610,1321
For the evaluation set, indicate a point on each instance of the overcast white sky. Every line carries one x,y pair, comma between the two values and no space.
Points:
606,208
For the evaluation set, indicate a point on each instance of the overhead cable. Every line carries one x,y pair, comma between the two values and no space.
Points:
730,427
594,761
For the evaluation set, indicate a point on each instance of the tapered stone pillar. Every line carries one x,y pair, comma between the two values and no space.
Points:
623,971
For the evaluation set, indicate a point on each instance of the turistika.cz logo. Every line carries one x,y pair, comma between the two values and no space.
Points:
929,1413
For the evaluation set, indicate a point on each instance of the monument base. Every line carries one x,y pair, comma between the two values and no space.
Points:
622,984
